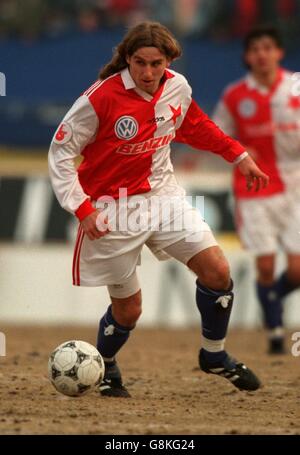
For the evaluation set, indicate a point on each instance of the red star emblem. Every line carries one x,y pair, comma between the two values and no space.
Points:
176,112
294,102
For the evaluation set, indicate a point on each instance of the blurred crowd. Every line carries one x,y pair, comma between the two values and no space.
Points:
216,19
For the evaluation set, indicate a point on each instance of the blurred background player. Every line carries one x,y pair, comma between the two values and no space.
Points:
263,113
138,102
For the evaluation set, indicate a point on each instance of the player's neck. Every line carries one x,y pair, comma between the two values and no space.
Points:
266,79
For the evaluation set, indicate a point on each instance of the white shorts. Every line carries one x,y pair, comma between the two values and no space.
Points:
266,223
112,259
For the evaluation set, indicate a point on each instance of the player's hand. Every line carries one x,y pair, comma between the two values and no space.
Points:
95,225
255,178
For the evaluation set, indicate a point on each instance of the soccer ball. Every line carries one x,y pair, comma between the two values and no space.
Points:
75,368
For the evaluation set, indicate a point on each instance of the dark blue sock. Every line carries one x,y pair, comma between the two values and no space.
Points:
284,286
111,335
271,304
215,308
215,357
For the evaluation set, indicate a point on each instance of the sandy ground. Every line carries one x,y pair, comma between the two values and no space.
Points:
170,394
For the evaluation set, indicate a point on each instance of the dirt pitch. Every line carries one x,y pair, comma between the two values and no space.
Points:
170,394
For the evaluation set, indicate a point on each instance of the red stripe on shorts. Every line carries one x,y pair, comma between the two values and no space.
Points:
76,257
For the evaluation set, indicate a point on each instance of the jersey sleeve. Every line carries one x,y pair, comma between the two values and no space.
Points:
224,119
200,132
78,128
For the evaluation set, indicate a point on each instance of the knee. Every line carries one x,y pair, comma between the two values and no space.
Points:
218,278
265,274
293,276
127,311
265,266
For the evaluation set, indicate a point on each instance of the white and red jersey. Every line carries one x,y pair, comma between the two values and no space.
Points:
268,121
124,135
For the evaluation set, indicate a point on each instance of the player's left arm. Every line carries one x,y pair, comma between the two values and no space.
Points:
200,132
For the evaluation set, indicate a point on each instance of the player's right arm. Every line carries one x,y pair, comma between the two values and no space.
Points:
199,131
78,128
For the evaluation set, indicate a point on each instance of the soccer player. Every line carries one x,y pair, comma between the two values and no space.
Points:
122,126
263,113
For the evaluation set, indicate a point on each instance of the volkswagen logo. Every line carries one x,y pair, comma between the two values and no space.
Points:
126,127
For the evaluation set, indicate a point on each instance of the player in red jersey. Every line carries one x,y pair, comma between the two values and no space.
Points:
263,112
123,126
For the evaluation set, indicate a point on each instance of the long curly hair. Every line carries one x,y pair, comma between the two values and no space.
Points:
145,34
